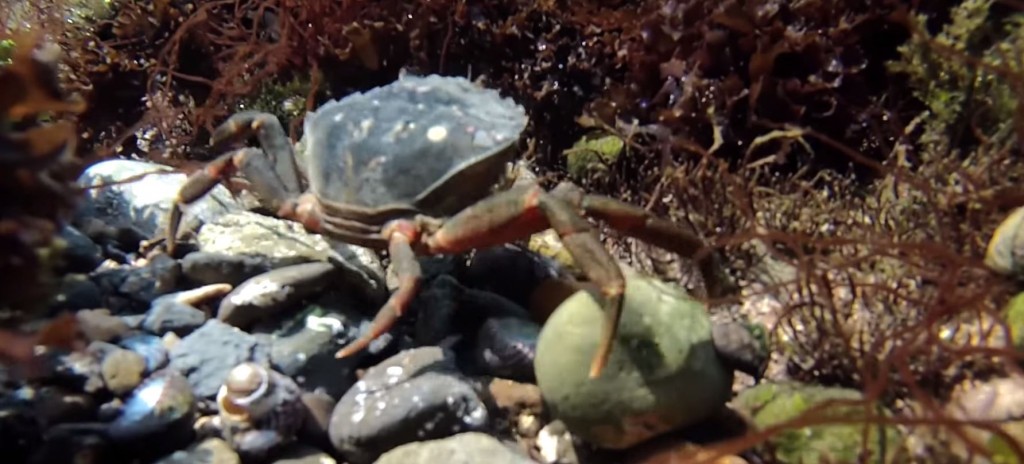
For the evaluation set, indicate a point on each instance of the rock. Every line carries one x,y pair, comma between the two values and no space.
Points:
122,371
209,451
663,374
80,370
464,448
283,243
213,268
515,397
143,205
319,407
413,396
206,355
506,347
171,316
305,345
999,400
131,288
80,254
1015,320
76,291
265,295
510,271
279,242
100,325
301,454
555,444
53,405
770,404
151,349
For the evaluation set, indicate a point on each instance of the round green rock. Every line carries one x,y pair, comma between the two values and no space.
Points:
663,373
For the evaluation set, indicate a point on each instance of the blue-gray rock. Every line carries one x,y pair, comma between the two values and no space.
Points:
150,347
206,355
168,315
415,395
143,205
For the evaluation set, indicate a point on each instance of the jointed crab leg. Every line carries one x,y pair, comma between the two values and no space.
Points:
498,219
199,183
273,139
638,223
271,171
407,269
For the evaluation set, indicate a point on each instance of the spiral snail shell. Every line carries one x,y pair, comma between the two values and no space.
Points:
259,408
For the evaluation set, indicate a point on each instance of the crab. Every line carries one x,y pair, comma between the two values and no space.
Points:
410,167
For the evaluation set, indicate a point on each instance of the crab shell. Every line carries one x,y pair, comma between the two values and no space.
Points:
258,401
432,143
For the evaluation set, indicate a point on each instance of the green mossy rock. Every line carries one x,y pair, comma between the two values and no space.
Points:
1015,320
593,153
663,374
771,404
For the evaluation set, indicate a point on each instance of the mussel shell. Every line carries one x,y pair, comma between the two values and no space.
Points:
162,402
506,347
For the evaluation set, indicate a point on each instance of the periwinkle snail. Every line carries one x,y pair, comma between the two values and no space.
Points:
259,409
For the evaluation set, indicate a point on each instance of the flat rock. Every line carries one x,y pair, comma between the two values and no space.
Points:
206,355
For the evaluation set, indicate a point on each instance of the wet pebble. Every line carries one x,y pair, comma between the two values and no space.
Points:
150,347
464,448
76,291
263,296
305,345
319,406
206,355
301,454
208,451
506,346
79,370
55,405
172,316
413,396
510,271
80,253
100,325
157,417
122,370
212,268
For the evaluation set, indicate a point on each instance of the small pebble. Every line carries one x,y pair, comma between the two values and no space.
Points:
122,371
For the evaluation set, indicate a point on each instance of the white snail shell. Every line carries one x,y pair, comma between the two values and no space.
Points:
252,391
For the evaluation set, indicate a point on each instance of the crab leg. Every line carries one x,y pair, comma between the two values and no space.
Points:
272,137
400,235
638,223
254,165
525,210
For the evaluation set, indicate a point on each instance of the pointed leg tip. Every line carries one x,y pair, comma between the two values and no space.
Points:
596,368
